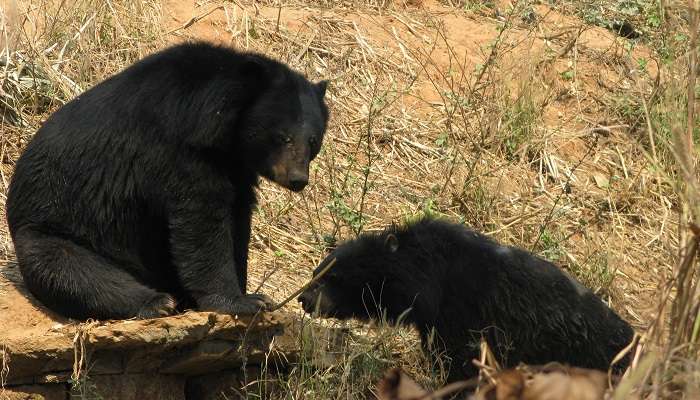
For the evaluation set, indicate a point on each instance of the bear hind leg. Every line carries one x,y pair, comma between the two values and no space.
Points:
79,283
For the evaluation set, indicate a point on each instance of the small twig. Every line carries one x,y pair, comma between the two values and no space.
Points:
265,278
279,15
548,219
559,34
622,354
409,27
305,48
195,19
4,367
692,74
366,171
303,288
82,334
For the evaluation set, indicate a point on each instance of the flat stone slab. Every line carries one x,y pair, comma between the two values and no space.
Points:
40,347
186,344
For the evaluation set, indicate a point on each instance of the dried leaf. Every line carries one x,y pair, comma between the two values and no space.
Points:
510,385
577,384
552,382
396,385
601,180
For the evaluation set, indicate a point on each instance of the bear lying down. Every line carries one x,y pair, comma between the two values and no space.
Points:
466,286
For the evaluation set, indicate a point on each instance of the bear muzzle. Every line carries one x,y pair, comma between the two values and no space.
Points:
297,181
314,301
292,177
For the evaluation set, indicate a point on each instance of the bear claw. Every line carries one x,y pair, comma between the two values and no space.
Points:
162,305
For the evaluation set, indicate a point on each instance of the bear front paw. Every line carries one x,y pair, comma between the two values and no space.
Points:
161,305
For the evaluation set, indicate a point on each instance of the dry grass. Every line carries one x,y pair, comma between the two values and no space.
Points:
551,134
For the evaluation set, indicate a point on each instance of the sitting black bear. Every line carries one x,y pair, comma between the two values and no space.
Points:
137,194
462,286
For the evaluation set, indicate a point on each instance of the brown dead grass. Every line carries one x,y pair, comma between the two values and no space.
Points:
513,127
389,69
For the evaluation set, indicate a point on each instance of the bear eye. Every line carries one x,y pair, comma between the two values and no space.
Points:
285,139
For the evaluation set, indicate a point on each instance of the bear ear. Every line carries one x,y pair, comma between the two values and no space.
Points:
391,243
321,88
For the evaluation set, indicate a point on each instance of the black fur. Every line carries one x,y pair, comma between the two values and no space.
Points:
465,285
139,192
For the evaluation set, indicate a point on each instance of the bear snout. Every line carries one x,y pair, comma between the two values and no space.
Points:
315,301
292,177
307,300
298,180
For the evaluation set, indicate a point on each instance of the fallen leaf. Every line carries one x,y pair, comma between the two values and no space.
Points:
577,384
396,385
552,382
601,180
510,385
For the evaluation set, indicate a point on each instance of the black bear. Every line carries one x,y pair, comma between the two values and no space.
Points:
444,278
137,194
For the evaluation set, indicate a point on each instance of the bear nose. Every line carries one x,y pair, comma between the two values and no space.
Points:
297,182
304,299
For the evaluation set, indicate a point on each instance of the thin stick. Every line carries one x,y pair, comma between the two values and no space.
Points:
303,288
692,73
547,220
279,15
193,20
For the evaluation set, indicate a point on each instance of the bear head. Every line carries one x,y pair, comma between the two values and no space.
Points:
282,130
373,277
